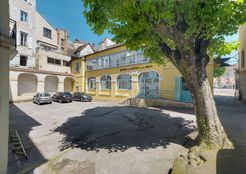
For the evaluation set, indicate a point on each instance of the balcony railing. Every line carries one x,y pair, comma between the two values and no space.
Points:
119,64
13,30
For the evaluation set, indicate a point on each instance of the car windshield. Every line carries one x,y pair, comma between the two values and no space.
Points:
44,95
67,94
80,93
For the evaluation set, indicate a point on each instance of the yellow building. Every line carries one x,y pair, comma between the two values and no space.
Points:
115,73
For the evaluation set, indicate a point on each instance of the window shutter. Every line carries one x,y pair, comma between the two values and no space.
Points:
177,88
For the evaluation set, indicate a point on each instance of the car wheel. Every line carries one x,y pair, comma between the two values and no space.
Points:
38,102
60,101
81,99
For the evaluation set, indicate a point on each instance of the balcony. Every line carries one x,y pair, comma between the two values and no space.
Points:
9,41
12,35
13,30
120,59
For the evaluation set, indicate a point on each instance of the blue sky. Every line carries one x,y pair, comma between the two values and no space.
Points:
68,14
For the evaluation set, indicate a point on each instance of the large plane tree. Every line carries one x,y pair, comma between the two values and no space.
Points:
184,32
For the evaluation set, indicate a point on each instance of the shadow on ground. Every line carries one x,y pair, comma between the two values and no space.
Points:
122,127
232,114
23,123
231,161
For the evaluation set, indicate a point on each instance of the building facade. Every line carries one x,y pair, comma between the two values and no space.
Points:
115,73
24,13
228,80
42,63
7,52
242,62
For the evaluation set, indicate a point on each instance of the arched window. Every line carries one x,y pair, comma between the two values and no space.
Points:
92,83
148,84
124,81
106,82
149,74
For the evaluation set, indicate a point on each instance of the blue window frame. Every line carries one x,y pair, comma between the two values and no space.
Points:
124,81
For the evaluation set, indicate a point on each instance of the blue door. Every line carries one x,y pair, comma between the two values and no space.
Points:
186,96
181,91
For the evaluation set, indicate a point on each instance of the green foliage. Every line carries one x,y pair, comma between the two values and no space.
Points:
220,48
204,130
218,72
147,24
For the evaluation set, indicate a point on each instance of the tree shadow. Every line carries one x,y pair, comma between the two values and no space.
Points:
23,123
119,128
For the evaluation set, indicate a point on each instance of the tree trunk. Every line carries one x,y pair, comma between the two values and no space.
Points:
210,130
190,58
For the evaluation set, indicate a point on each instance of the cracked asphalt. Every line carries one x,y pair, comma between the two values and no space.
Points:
105,136
108,138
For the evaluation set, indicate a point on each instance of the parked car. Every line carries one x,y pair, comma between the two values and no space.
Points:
79,96
40,98
62,97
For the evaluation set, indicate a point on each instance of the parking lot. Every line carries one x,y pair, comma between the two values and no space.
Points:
99,137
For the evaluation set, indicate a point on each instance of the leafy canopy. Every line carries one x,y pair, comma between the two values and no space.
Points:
218,72
146,24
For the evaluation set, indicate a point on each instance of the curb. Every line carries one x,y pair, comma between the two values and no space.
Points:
28,169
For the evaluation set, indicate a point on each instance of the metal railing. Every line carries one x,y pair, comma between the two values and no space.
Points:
13,30
118,64
157,94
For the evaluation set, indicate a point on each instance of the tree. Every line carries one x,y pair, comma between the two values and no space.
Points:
219,71
183,32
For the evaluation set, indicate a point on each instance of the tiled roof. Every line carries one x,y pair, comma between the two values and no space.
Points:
80,48
39,71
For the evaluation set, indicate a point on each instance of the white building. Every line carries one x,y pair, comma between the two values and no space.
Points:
24,13
42,63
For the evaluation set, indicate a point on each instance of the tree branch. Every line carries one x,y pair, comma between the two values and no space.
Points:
164,30
173,55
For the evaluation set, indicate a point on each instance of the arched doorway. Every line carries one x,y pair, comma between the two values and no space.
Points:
27,84
68,84
51,84
149,84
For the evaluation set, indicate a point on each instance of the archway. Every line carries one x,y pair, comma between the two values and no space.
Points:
68,84
27,84
51,84
149,84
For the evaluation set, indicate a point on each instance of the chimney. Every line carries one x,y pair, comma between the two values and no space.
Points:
102,45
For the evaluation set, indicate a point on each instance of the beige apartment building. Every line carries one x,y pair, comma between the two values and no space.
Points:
228,80
242,62
42,63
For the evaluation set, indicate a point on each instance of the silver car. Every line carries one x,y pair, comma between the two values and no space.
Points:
41,98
